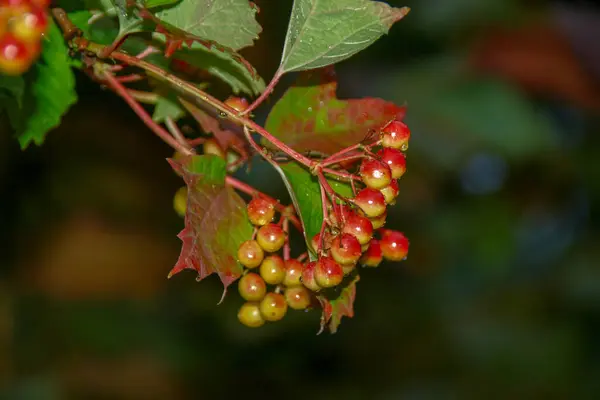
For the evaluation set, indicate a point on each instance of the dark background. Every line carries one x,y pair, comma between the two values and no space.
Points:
498,299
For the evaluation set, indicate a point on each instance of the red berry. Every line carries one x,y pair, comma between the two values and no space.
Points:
371,202
379,222
316,241
293,273
272,270
328,273
252,287
395,159
239,104
270,237
359,227
373,256
297,297
345,249
249,315
375,174
394,245
390,192
308,277
273,307
261,211
348,268
250,254
41,3
14,56
395,135
31,25
211,146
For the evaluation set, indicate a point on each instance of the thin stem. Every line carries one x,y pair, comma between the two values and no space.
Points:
196,141
286,245
144,97
302,256
144,116
335,156
340,159
175,131
341,174
324,223
130,78
263,95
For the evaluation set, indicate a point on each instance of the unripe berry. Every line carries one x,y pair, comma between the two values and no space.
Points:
239,104
14,56
395,135
345,249
270,237
379,222
371,202
373,256
308,277
394,245
348,268
359,227
211,146
272,270
293,273
390,192
30,25
273,307
375,174
328,273
394,159
252,287
249,315
260,211
297,297
180,201
250,254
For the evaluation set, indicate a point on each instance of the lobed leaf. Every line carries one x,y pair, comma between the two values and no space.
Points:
325,32
342,306
216,222
309,116
44,94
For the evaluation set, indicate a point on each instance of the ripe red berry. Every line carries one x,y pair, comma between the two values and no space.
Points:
15,58
395,159
252,287
270,237
308,277
371,202
375,174
239,104
40,3
390,192
30,25
373,256
359,227
328,273
316,241
261,211
272,270
394,245
345,249
297,297
249,315
395,135
250,254
293,273
379,222
273,307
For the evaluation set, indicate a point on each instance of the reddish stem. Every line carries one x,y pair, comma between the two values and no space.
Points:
335,156
324,223
286,245
268,90
302,256
144,116
196,141
342,158
341,174
130,78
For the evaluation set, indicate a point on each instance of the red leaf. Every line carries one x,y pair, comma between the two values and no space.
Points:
342,306
309,116
215,222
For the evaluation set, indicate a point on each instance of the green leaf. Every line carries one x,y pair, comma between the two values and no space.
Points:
167,106
12,88
322,33
129,18
341,306
310,117
305,191
230,23
159,3
216,222
49,92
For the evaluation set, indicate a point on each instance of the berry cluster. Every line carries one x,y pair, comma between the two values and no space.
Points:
22,24
348,238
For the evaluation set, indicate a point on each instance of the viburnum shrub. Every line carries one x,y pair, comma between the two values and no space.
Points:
339,159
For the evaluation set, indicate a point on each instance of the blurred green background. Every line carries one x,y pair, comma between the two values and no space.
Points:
500,295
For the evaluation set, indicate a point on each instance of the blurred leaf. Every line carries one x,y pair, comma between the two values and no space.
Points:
216,222
322,33
310,117
342,306
167,106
